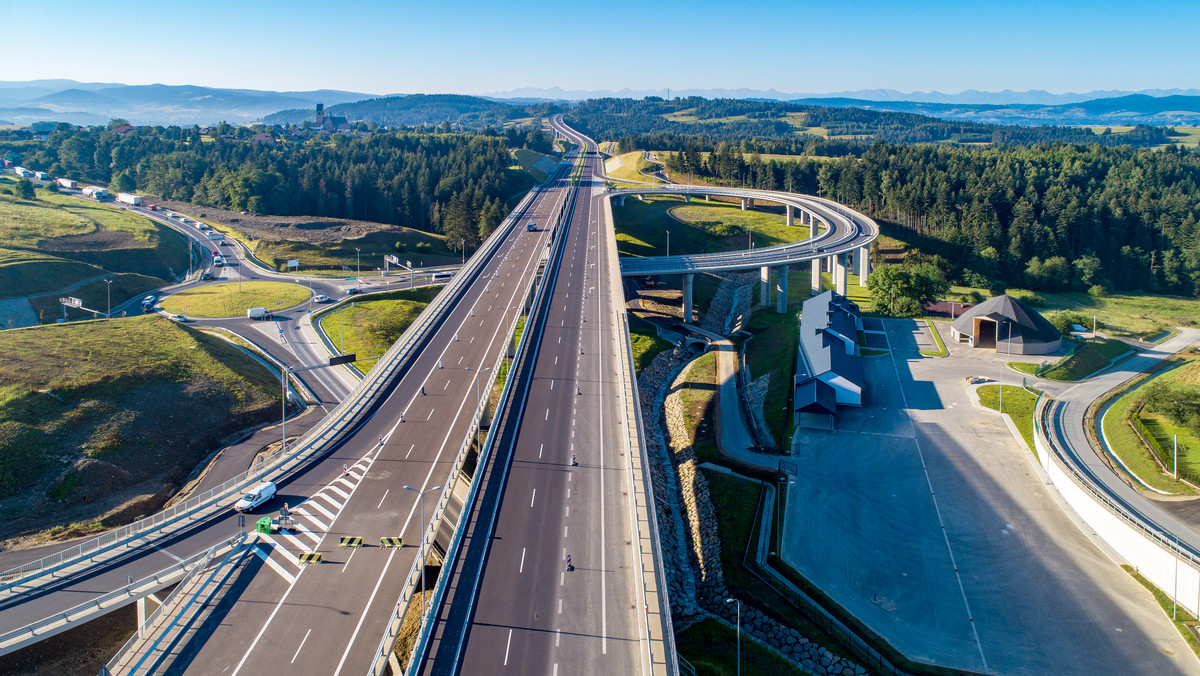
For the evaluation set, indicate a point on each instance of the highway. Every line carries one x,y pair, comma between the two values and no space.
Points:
325,619
1066,430
475,335
515,606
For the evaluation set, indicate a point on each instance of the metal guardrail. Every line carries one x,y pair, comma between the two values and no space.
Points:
861,231
198,563
1140,523
123,595
302,450
455,475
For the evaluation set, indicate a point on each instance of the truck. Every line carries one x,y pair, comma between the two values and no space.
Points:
41,176
21,171
95,192
215,236
130,199
258,313
66,183
203,226
530,227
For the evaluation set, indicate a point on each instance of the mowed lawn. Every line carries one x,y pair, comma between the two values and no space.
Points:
224,300
696,227
349,327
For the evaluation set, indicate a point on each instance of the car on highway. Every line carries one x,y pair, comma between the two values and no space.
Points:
178,318
320,298
206,276
224,243
255,497
353,290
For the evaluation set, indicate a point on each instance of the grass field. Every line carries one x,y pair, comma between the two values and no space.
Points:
1088,359
696,227
95,295
348,327
645,342
1189,136
145,396
630,164
699,399
1018,406
56,241
224,300
528,160
422,248
711,647
1126,444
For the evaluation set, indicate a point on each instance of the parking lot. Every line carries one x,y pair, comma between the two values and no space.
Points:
924,518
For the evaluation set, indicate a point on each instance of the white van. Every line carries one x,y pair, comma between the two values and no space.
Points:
255,497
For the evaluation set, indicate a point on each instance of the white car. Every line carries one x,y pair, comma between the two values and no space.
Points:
178,318
255,497
320,298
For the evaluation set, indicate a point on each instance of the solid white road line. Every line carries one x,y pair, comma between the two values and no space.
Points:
532,498
507,646
301,645
522,568
288,577
385,494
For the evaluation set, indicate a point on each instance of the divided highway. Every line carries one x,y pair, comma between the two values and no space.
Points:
547,579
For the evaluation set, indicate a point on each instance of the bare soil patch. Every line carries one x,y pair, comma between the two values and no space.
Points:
311,229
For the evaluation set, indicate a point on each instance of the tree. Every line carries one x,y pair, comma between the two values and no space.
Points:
25,189
122,182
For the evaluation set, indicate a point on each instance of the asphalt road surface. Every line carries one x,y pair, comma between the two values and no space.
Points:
327,619
527,612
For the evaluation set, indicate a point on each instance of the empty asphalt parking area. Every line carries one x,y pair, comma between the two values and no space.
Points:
922,516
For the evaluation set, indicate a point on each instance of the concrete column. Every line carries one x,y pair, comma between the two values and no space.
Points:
840,273
744,201
144,610
764,289
621,201
864,265
687,197
791,217
641,198
816,276
706,198
781,273
687,298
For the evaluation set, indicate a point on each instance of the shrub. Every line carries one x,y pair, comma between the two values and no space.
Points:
1097,291
399,246
424,247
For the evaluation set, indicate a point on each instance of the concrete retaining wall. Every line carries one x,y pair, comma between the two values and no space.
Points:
1159,562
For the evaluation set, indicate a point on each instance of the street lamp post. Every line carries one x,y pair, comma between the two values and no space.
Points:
479,403
463,243
668,243
739,634
358,265
108,288
421,498
1002,363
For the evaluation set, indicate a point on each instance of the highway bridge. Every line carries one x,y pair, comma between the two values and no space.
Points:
570,484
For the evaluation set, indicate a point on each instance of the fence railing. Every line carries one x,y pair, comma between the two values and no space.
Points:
198,563
456,475
21,579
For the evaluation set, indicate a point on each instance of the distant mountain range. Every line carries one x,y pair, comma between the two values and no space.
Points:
96,103
969,96
91,103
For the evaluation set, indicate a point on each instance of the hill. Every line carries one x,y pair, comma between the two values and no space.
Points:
414,110
120,427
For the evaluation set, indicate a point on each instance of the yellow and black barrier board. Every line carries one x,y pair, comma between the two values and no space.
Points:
391,542
350,542
311,557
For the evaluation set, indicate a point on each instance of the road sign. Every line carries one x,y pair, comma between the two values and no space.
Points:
394,260
293,264
343,359
70,301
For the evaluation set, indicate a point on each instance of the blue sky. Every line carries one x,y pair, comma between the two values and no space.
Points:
469,46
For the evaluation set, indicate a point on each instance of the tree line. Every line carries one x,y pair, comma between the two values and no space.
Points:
453,183
790,125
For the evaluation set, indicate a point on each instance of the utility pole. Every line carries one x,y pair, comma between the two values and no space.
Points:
108,287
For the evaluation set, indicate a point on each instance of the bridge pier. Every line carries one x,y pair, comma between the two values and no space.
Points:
764,288
781,274
791,217
816,276
688,280
864,265
143,612
744,203
687,197
621,201
839,273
